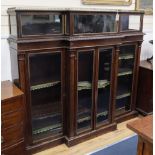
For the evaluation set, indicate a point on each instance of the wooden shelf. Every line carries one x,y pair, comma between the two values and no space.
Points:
44,124
126,56
87,118
129,72
44,85
45,129
88,85
120,111
123,95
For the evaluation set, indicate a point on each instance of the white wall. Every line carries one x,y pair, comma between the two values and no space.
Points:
5,54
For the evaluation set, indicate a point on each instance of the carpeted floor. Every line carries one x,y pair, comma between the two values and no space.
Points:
127,146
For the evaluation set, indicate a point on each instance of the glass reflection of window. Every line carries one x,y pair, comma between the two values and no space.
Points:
130,22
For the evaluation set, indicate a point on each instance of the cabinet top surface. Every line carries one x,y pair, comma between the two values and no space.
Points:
143,127
9,90
147,65
69,9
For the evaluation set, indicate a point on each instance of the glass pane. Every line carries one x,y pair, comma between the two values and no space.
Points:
45,87
41,24
85,76
105,61
130,22
44,68
124,81
94,23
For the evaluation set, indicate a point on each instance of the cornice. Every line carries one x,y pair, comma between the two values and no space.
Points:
73,38
82,9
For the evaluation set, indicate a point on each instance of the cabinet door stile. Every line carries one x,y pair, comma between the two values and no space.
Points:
76,92
113,85
29,101
135,75
95,86
63,87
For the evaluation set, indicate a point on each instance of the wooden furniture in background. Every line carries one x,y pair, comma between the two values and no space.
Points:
144,128
78,70
145,88
12,123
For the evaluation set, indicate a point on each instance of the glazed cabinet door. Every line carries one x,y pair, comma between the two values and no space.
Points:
104,85
85,63
125,77
45,71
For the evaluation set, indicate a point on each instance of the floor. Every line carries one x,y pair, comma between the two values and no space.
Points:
93,144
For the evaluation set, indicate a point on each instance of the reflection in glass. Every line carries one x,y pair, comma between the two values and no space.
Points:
124,81
45,87
130,22
85,74
94,23
105,61
41,24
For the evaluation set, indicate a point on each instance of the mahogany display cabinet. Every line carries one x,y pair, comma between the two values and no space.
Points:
78,69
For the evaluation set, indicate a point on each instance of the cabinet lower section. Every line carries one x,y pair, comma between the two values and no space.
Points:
70,141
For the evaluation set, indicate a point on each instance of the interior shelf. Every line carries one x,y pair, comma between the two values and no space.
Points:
88,85
123,95
52,122
120,111
85,115
124,71
44,85
126,56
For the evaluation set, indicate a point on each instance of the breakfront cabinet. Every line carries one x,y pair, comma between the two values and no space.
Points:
78,69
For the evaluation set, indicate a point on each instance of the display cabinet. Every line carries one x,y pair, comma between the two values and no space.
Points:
78,69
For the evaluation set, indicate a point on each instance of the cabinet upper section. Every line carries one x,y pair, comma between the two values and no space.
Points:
66,22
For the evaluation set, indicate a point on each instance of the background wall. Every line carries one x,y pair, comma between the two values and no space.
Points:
5,54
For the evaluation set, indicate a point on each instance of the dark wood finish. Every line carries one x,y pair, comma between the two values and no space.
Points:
144,128
12,119
70,45
145,88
